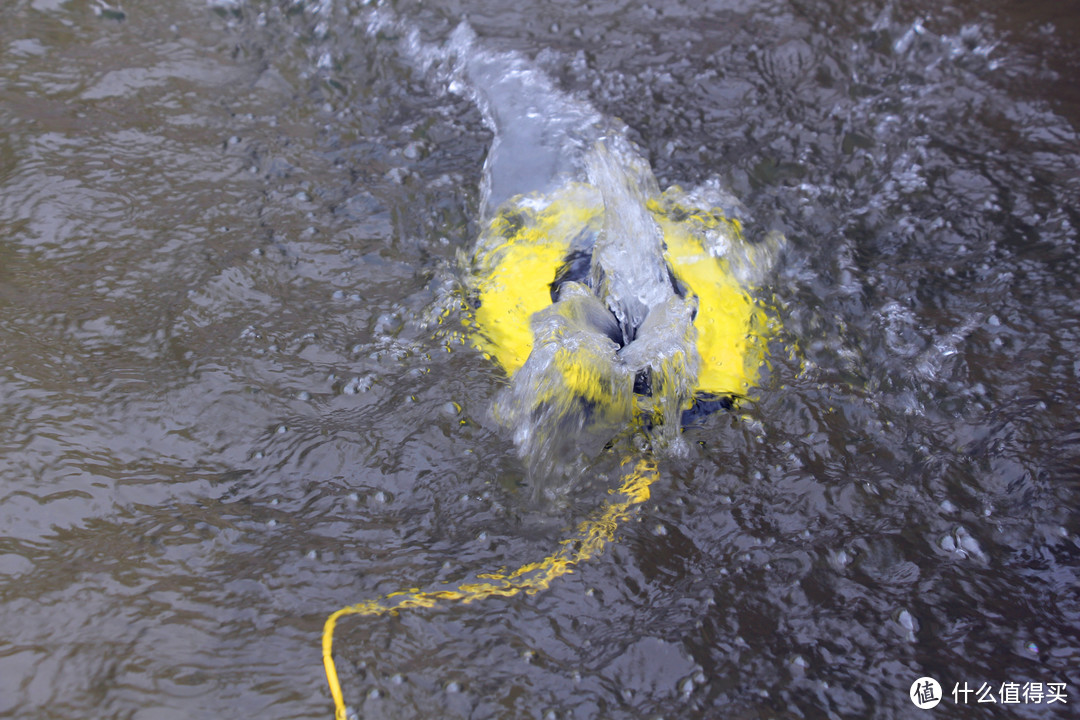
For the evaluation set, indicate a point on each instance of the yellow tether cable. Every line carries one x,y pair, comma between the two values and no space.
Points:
591,537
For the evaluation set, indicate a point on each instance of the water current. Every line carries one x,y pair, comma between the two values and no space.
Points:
237,390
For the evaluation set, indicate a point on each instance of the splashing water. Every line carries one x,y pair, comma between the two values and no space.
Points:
540,134
609,303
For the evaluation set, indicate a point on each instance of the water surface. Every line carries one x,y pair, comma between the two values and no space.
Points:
227,406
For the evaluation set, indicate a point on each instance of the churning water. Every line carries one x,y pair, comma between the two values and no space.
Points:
236,391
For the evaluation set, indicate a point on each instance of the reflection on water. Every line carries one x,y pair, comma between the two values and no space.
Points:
227,234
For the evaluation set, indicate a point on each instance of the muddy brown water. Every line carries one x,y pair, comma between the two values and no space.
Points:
227,409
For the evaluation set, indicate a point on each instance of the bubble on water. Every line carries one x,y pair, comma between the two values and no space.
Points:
388,324
908,623
904,42
967,543
358,385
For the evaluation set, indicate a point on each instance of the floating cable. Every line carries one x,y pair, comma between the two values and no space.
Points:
590,539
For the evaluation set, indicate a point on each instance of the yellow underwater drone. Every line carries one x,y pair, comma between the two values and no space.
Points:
529,242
